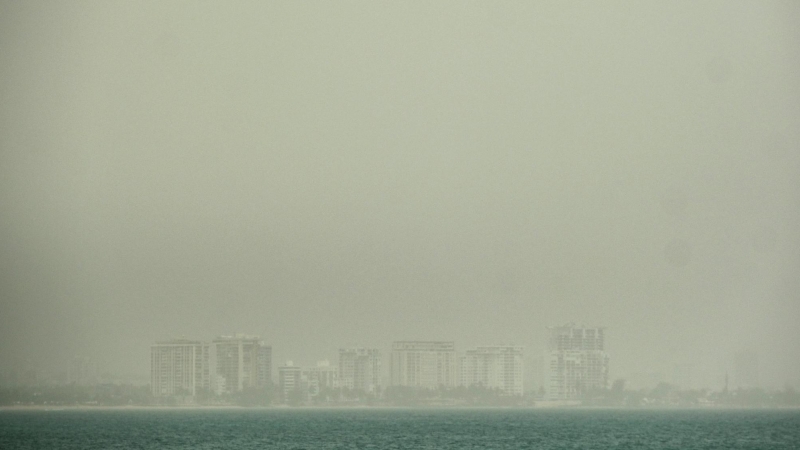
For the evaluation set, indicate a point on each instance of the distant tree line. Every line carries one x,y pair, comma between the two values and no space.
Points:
443,396
72,395
665,394
662,395
390,396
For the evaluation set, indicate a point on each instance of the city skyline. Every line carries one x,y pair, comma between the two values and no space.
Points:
443,363
400,224
742,369
337,175
185,371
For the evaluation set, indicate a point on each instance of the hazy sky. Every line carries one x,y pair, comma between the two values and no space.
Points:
352,173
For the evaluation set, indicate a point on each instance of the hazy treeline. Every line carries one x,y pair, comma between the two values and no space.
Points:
390,396
662,395
120,395
73,394
459,396
665,394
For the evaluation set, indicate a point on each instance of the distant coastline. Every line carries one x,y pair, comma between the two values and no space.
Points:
47,408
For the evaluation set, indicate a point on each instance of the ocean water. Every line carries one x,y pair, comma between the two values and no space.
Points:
399,429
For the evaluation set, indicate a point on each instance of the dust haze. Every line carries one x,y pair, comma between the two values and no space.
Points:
343,174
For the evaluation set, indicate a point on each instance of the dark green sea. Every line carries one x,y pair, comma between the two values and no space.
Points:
399,429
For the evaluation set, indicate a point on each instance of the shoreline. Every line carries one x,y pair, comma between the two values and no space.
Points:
5,408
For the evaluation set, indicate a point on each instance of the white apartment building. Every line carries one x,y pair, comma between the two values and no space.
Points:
577,362
426,364
242,361
494,367
360,369
179,367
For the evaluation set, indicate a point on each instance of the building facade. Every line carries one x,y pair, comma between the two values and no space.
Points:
322,377
577,362
264,365
179,367
494,367
424,364
360,369
242,361
291,383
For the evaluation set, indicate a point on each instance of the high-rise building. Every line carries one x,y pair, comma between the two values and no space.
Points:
426,364
578,362
323,376
264,365
242,361
179,367
291,383
494,367
360,369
